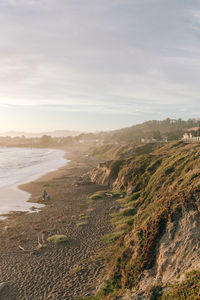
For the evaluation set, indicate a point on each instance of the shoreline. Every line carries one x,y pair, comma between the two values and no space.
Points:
52,174
22,198
67,271
19,205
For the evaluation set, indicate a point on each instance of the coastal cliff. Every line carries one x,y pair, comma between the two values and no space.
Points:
158,222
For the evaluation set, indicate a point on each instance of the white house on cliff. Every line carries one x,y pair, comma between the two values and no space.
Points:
189,138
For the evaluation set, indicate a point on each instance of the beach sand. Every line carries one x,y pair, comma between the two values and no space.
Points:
65,271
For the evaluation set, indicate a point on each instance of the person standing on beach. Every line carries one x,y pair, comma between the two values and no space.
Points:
44,194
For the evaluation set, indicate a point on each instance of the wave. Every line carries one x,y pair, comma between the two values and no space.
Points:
21,165
18,165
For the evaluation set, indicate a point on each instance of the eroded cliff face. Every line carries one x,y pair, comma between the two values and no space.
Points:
179,248
177,253
106,173
162,209
122,175
101,174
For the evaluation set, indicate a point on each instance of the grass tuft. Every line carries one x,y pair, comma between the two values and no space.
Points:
97,195
89,210
43,246
77,269
83,217
81,224
57,239
111,237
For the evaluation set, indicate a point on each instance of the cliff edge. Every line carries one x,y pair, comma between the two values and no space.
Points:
159,222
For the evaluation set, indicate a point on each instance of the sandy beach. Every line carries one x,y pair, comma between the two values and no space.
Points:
65,271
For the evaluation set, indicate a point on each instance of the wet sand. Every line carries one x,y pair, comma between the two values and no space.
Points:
65,271
7,194
21,166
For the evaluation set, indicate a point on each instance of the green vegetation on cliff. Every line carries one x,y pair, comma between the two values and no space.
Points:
187,289
163,186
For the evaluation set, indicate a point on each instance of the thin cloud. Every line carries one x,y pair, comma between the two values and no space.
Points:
134,57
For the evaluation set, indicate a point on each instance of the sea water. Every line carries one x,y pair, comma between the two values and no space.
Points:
21,165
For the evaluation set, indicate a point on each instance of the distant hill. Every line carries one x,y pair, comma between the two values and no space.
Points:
56,133
168,129
165,130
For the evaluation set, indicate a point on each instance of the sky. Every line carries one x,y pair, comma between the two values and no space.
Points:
97,64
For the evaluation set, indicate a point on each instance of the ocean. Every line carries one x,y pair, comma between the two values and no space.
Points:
21,165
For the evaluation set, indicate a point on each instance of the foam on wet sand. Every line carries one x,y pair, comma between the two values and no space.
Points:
19,166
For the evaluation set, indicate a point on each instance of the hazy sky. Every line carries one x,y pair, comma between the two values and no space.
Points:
97,64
